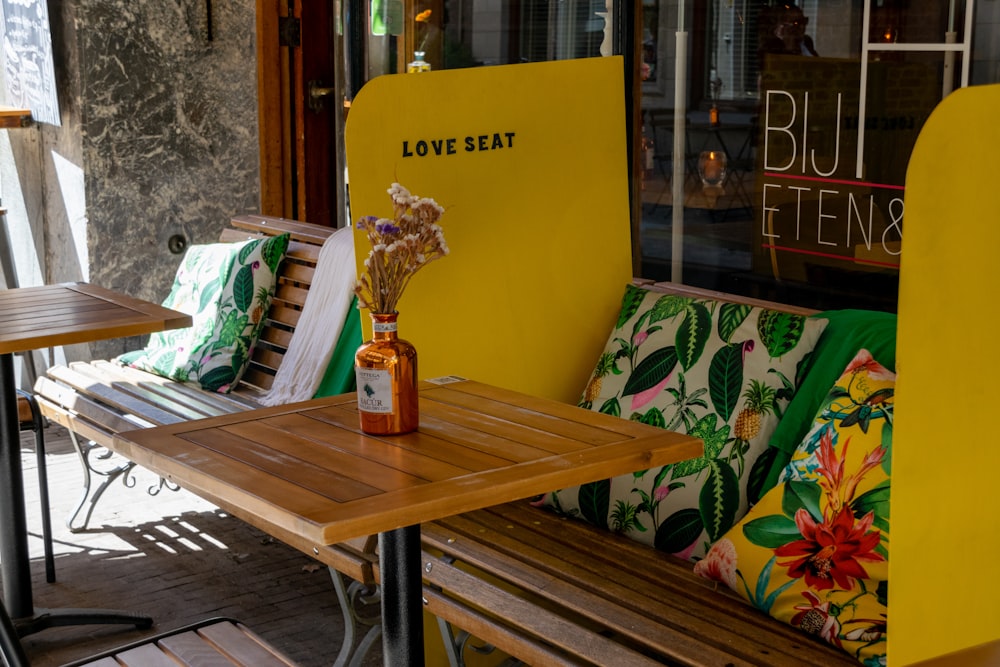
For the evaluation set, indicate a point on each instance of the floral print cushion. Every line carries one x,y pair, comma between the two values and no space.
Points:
814,552
227,290
720,371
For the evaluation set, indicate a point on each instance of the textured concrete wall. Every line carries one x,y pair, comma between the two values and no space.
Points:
158,138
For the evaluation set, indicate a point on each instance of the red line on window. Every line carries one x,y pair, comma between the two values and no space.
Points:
839,181
800,251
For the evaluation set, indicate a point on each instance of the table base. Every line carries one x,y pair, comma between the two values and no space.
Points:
52,618
402,597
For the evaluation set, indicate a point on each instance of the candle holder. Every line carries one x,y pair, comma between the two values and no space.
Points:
712,168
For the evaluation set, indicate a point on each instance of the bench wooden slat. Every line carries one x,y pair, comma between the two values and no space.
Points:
288,293
149,389
223,644
92,388
673,579
282,314
524,616
215,643
145,656
313,234
61,400
210,402
269,358
672,642
530,650
593,574
297,274
276,337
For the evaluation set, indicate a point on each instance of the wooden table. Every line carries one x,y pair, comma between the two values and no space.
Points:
307,468
32,318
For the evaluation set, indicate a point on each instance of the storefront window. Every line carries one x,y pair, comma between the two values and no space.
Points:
805,115
781,173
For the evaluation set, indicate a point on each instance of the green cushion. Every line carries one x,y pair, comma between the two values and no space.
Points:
339,377
227,290
847,331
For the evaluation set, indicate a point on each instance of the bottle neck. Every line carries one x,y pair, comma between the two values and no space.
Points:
384,326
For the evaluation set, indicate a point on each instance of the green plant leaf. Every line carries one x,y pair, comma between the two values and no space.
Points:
874,500
802,495
693,334
780,332
612,407
651,371
678,531
243,290
771,531
209,294
273,251
725,379
667,306
653,417
217,377
731,316
715,439
595,501
246,249
631,301
719,499
758,475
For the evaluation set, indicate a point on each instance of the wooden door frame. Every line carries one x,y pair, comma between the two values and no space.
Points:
298,136
272,109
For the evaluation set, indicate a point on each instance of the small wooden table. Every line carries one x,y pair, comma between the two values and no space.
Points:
32,318
307,468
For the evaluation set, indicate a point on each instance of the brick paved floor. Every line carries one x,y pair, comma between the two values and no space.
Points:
174,557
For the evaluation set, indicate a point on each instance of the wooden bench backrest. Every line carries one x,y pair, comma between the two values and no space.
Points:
295,276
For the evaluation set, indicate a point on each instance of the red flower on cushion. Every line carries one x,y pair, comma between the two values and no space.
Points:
829,553
816,619
839,487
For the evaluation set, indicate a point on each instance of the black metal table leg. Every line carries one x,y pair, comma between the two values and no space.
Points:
402,591
14,560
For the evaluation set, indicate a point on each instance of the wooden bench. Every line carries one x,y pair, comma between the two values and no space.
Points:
557,591
553,591
94,400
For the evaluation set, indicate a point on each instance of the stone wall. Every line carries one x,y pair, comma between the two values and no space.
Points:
158,138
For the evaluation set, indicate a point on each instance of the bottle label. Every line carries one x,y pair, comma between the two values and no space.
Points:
374,390
383,327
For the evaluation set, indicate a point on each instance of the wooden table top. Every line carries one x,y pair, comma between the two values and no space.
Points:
307,467
12,118
32,318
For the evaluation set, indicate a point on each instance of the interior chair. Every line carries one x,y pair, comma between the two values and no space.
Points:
215,641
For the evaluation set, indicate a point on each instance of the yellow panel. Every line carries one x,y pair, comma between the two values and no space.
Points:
529,162
945,505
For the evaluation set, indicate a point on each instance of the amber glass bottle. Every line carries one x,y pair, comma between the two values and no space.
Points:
386,370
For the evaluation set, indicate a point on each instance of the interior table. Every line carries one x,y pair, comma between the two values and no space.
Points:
308,468
32,318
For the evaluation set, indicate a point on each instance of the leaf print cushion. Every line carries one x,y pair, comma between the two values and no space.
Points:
814,551
719,371
227,290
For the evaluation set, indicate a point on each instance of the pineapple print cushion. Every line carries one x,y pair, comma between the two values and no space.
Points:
814,551
722,372
227,290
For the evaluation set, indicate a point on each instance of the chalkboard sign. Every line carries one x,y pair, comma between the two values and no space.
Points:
28,72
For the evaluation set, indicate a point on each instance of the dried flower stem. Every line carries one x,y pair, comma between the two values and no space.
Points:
401,246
